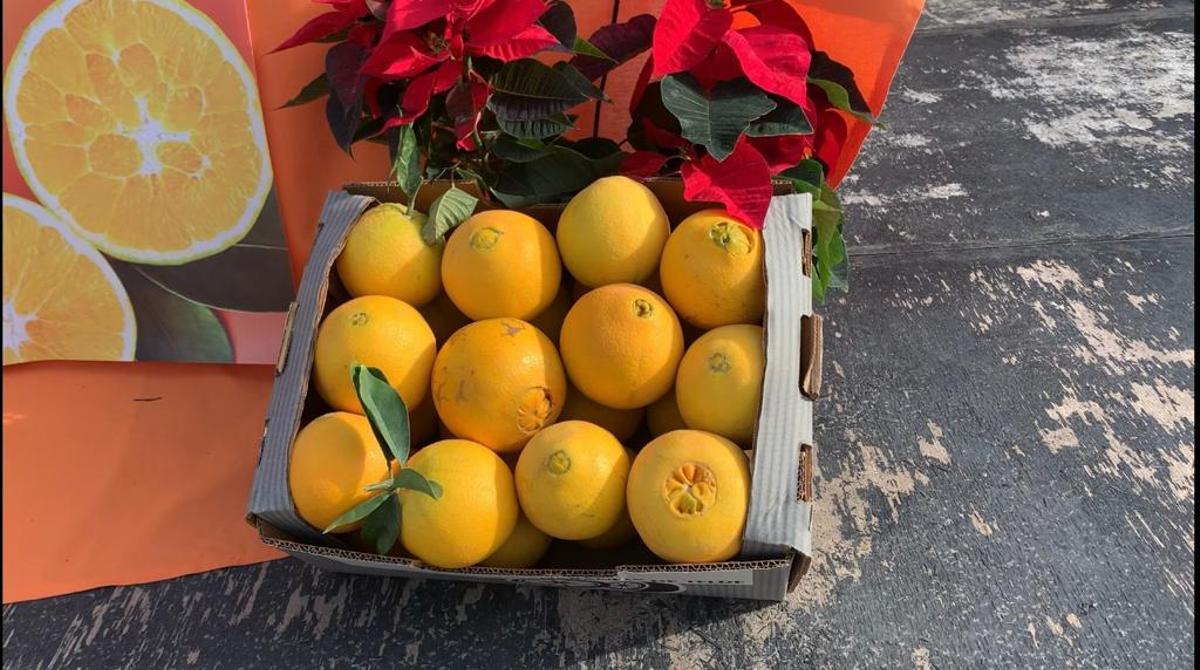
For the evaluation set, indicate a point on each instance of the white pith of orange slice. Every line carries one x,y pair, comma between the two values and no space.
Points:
62,299
138,124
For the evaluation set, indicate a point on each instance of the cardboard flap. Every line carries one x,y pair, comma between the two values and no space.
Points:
811,355
269,500
778,520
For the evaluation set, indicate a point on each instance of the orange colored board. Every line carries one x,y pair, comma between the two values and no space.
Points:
128,473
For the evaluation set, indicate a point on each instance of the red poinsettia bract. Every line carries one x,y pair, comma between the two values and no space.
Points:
427,42
698,37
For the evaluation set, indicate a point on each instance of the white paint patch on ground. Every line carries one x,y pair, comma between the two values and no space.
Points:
919,97
1090,94
844,519
976,12
909,195
1173,408
933,447
982,527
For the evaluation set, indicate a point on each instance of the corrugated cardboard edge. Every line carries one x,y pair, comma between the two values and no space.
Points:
757,580
270,498
778,518
270,504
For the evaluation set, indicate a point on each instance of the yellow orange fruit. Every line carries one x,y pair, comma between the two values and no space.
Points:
712,270
422,422
475,514
139,125
688,493
622,423
551,319
498,382
719,384
523,549
443,317
61,297
621,534
621,344
571,480
501,263
612,232
618,536
379,332
663,416
333,459
385,255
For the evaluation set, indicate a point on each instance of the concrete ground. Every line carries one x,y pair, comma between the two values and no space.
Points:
1006,444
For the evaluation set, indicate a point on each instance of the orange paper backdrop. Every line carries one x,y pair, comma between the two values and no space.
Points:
128,473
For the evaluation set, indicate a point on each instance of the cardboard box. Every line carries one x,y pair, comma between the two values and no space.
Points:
777,542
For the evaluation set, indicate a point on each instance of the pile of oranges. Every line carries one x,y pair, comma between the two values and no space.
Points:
534,365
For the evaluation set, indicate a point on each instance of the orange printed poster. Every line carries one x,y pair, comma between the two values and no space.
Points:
140,218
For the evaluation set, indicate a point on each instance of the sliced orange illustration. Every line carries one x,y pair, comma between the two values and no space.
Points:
62,299
138,123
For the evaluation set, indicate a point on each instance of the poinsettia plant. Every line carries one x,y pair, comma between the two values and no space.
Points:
731,109
464,90
452,88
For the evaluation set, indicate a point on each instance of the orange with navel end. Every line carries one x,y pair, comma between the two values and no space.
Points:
501,263
712,270
571,480
333,459
621,344
498,382
688,493
379,332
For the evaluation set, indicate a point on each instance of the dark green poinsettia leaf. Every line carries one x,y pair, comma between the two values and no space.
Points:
562,171
830,264
586,48
518,151
527,90
580,82
825,71
537,129
447,212
343,109
314,90
839,98
358,512
716,118
612,45
830,261
786,119
808,177
596,147
559,20
369,128
385,410
382,526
